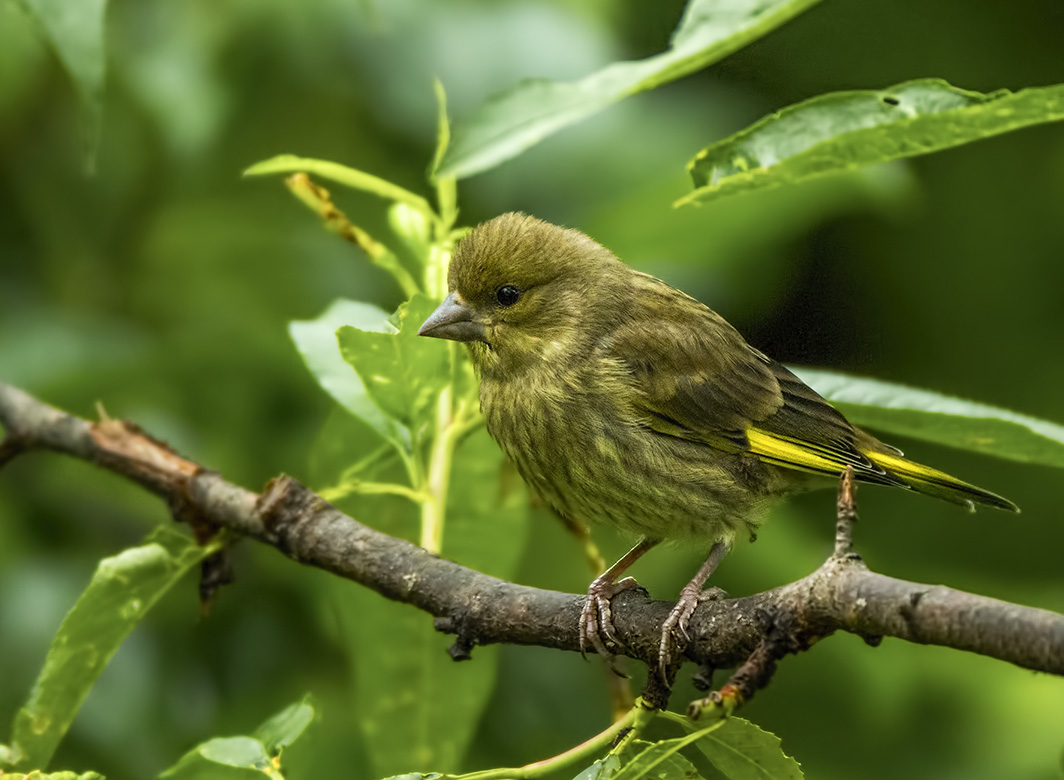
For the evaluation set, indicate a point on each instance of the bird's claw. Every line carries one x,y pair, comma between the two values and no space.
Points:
596,619
674,635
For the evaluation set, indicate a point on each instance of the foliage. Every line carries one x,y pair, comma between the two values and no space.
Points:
76,32
403,447
260,753
848,130
121,592
510,123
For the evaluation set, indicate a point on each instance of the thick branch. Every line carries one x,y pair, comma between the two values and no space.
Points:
840,595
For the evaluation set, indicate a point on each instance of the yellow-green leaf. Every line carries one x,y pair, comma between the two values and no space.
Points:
122,591
843,131
510,123
943,419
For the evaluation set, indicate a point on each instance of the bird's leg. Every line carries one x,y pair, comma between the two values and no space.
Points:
674,635
596,620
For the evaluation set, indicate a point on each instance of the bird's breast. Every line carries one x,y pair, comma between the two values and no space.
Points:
577,444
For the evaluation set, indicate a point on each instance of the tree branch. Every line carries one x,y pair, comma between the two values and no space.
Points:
751,632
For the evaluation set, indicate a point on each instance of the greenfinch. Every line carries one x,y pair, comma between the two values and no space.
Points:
622,400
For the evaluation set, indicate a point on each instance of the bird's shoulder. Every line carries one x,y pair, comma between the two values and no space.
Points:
695,377
692,373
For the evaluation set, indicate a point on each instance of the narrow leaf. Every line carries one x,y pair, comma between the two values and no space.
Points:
120,594
75,30
843,131
657,761
510,123
316,342
402,372
285,727
659,756
443,125
243,752
342,174
446,186
742,751
942,419
68,775
259,753
602,769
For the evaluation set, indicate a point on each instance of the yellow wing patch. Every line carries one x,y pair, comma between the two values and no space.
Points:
788,452
817,458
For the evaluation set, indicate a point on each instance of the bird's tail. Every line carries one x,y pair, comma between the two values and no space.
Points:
924,479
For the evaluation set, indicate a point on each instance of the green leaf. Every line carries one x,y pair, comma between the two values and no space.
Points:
38,775
510,123
602,769
239,756
411,226
75,30
656,760
942,419
316,342
662,761
843,131
342,174
443,125
417,708
488,509
402,372
285,727
446,186
243,752
742,751
120,594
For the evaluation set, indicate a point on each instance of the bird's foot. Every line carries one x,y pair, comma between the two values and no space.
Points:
674,636
596,620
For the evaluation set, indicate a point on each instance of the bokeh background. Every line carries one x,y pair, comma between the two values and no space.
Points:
162,286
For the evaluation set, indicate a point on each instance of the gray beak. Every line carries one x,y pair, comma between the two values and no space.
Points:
453,320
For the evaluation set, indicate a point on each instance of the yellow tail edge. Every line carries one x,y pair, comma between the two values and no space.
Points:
931,482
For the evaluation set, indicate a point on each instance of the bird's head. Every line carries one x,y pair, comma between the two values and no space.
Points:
524,291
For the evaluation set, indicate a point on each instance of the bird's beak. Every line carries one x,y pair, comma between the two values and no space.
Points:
455,321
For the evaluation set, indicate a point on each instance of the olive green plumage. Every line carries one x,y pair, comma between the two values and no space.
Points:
623,400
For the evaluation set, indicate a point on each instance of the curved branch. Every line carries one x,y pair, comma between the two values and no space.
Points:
840,595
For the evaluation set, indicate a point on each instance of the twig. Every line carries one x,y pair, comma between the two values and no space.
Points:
846,514
841,595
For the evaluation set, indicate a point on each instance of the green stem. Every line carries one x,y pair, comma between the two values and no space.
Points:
629,726
436,271
678,719
371,489
434,508
342,174
693,727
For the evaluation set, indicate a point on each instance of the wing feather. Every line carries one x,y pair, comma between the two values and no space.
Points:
697,379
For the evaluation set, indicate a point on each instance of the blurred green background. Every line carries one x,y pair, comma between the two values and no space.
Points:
162,286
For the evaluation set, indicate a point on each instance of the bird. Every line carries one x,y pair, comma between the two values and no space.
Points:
622,400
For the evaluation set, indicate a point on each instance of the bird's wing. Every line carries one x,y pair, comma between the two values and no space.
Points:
697,379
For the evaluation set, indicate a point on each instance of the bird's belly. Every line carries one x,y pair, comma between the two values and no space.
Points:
579,456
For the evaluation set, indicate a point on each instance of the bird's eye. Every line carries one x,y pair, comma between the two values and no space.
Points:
507,295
